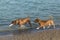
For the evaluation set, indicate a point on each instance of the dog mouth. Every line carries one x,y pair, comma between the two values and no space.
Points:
10,25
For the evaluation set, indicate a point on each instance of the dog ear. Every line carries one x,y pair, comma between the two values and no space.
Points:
13,22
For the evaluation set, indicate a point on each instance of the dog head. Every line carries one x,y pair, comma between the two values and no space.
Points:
36,20
14,22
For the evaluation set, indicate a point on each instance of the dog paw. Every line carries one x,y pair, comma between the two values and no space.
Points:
37,28
43,27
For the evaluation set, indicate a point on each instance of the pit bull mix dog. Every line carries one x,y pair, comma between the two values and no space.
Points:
21,21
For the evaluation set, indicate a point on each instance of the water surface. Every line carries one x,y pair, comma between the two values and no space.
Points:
14,9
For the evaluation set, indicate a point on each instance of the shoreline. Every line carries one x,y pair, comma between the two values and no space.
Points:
53,34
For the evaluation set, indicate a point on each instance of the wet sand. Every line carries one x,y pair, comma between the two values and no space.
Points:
31,34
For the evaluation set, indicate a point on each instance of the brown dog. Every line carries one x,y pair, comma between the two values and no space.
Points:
21,21
44,23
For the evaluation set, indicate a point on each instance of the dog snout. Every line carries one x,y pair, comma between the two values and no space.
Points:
10,25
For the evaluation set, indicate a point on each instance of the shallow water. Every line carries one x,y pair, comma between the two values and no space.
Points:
14,9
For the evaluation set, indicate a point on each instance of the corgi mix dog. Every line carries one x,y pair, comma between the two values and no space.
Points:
44,23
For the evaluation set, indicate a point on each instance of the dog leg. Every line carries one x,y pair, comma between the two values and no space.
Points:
43,27
38,28
49,26
54,26
21,25
30,24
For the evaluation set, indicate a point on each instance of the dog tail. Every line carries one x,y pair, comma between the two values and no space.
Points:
51,17
28,16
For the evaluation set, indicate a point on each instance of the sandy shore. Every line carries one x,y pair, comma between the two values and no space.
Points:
31,35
